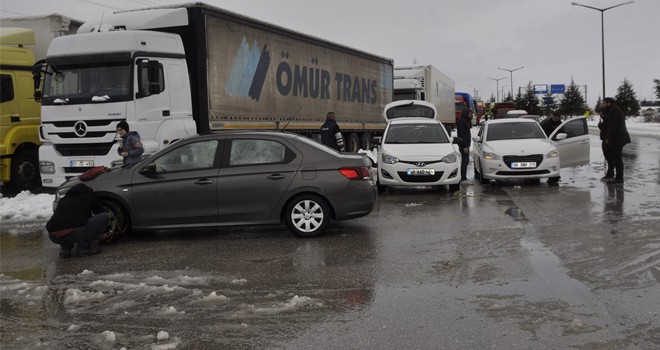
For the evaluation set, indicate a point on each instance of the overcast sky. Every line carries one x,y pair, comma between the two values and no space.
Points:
468,40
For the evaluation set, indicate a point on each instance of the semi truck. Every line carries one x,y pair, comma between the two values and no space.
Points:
173,71
426,83
23,40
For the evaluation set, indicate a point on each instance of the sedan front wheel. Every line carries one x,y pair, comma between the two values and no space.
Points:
307,215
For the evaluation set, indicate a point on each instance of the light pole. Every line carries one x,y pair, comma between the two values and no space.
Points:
497,87
503,86
511,72
602,31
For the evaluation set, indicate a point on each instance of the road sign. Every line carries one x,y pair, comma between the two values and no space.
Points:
540,89
557,88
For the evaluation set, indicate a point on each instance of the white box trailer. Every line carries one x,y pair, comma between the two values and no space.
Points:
426,83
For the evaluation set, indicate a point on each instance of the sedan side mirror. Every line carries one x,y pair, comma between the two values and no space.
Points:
561,136
149,170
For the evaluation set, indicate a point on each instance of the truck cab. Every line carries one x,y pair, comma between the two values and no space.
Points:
19,111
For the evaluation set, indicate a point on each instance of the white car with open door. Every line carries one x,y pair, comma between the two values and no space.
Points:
519,149
415,149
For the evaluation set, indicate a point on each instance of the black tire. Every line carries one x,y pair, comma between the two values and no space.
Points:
119,223
480,176
352,143
454,187
25,171
365,141
307,215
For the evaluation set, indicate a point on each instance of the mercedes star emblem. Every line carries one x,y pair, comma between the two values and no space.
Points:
80,128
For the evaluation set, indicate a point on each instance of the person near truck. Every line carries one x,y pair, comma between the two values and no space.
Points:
78,219
617,137
602,127
331,134
130,146
550,124
463,131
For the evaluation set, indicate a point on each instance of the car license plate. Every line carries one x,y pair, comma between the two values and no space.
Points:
421,172
81,163
519,165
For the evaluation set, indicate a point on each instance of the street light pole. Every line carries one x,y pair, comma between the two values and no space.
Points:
497,87
602,31
503,86
511,72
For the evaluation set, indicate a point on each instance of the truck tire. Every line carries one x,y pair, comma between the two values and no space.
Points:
307,215
352,143
365,141
25,171
119,223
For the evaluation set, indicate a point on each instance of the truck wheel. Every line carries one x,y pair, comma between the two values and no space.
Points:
25,171
307,215
352,143
365,141
119,224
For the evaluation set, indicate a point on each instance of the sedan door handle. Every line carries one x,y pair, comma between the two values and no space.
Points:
276,177
203,182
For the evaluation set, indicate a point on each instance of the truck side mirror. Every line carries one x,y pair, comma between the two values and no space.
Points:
36,77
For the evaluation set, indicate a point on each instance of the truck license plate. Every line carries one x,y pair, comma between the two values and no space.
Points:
519,165
81,163
421,172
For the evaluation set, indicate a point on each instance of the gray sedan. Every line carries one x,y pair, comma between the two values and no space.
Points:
237,178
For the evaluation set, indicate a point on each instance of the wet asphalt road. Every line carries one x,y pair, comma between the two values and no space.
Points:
510,265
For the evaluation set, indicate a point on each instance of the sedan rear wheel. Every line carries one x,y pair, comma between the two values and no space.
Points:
307,215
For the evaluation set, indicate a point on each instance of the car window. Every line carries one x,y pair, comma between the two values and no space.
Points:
514,131
256,151
573,128
192,156
416,133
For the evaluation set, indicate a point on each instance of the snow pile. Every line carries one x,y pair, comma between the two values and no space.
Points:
213,298
76,296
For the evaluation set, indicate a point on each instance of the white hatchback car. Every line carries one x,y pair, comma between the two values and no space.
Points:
415,149
519,149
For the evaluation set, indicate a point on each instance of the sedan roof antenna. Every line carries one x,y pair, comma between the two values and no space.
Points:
289,121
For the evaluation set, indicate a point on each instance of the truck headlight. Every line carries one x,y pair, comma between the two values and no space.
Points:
46,167
388,159
450,158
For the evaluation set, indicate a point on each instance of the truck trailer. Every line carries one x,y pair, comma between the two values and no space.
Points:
178,70
426,83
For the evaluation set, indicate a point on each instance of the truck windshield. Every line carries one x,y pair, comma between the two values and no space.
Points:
87,83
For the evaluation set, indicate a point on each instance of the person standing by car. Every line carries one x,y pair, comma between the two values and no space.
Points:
602,126
130,146
331,134
73,223
463,131
617,137
550,124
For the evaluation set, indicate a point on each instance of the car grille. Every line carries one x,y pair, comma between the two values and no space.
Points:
415,162
430,178
538,158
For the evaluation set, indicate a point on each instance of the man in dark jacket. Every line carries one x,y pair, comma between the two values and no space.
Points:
602,126
130,146
331,134
463,131
617,137
550,124
73,222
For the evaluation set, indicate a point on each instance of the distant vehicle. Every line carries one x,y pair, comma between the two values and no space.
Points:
469,102
481,111
517,148
500,108
237,178
416,149
536,118
516,113
426,83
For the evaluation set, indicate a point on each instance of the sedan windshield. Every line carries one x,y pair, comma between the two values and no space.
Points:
514,131
416,133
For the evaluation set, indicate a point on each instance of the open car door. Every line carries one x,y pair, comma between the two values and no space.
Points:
574,149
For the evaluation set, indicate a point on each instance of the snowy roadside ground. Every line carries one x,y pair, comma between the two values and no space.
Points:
27,212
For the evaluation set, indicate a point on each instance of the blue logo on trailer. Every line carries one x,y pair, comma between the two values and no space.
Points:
557,88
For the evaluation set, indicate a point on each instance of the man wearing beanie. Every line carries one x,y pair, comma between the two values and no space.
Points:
130,146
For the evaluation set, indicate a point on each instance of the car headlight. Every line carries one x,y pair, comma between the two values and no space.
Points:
491,156
450,158
552,154
388,159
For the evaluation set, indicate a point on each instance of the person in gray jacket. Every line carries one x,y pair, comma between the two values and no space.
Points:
130,146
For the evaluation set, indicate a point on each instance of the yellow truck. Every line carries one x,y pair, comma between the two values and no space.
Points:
19,111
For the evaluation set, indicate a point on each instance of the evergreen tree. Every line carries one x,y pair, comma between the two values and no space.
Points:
549,103
598,105
625,98
492,98
528,101
508,97
657,88
573,103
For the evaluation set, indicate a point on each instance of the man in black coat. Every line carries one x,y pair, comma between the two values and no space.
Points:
331,134
550,124
617,137
463,131
73,222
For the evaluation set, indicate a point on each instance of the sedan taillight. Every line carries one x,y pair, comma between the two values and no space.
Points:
357,173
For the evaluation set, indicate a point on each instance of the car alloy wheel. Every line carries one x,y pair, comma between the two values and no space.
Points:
307,215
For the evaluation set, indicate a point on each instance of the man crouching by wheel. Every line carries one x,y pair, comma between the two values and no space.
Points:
73,223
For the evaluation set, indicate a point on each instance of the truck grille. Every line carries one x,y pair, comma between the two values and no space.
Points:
84,149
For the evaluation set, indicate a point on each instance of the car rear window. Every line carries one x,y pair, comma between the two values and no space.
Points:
416,133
